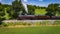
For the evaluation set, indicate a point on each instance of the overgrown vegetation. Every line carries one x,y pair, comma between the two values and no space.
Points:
42,23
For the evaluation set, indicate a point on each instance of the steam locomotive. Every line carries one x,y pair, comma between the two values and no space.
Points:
37,17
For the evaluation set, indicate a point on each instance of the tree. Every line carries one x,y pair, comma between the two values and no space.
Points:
58,11
7,15
1,8
16,5
52,9
31,10
1,13
16,8
0,3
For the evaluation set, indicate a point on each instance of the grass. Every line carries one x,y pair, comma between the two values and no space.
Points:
40,11
32,30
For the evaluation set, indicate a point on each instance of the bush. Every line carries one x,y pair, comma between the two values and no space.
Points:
0,23
29,24
4,25
57,22
24,23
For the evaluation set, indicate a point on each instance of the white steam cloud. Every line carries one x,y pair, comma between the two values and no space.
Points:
25,6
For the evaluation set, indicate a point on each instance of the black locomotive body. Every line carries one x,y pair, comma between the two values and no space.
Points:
37,17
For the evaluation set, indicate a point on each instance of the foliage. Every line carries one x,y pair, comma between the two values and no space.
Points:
52,9
40,12
12,11
4,25
16,7
31,10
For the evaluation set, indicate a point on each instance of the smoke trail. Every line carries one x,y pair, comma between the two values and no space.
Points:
25,7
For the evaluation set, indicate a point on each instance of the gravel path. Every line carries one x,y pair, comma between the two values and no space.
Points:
29,21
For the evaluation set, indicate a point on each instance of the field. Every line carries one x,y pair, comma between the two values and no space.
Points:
40,11
32,30
43,27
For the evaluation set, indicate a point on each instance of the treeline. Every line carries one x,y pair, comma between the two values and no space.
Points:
31,9
53,9
12,11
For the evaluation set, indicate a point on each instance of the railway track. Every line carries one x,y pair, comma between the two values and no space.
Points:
28,21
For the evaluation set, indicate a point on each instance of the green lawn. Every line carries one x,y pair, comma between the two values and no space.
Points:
32,30
40,11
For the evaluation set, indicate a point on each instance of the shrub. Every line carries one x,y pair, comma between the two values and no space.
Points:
57,22
24,23
29,24
4,25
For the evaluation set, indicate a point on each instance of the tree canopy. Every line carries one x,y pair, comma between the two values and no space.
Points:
52,9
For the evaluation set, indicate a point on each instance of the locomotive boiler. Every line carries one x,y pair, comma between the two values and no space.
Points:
37,17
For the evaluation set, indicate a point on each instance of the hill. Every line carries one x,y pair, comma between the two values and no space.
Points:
40,11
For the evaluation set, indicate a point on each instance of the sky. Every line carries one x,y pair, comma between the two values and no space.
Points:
33,2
